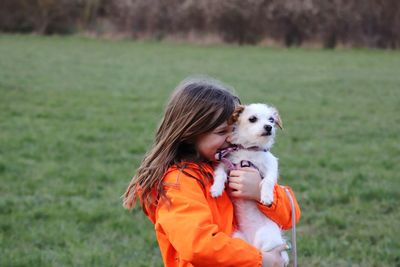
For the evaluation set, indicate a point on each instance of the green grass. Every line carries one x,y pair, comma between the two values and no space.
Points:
77,115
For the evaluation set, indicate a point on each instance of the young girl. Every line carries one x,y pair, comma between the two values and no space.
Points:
174,179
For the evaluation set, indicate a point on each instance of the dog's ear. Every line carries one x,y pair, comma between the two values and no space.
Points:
235,115
277,118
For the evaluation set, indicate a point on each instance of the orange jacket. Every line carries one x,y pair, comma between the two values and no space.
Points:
195,228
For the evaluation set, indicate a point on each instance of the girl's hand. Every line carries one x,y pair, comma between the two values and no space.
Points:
245,183
273,257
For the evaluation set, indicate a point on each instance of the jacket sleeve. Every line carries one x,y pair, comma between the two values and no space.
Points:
281,209
188,224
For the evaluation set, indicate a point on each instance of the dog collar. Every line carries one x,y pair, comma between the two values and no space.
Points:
226,151
222,154
253,148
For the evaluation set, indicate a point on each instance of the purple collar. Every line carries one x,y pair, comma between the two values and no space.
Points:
253,148
223,153
226,151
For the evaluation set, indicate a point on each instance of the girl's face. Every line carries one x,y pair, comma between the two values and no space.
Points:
209,143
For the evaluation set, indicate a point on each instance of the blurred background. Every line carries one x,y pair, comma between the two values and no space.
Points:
83,85
330,23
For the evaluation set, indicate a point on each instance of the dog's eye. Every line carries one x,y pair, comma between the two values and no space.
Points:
271,120
253,119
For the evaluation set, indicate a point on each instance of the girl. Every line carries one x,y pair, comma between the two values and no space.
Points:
174,179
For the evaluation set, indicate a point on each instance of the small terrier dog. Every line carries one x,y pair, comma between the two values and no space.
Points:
253,135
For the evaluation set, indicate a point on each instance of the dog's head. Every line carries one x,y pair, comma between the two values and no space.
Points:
255,125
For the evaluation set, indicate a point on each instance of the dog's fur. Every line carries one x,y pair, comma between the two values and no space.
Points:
255,126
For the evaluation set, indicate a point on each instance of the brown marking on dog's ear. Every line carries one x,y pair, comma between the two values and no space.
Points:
278,120
235,115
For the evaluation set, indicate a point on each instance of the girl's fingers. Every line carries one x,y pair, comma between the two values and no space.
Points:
248,169
234,179
234,185
235,173
245,183
242,171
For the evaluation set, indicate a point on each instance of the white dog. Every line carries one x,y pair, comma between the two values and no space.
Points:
253,135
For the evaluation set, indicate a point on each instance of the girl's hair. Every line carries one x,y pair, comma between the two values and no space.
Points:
197,106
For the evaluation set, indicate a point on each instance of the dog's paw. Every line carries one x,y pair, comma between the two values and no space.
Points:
216,190
267,197
267,200
267,192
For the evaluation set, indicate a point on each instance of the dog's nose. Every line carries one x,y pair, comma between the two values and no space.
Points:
268,128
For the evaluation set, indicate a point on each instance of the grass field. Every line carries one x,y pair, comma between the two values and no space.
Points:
77,115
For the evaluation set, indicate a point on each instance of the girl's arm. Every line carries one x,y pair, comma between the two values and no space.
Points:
188,224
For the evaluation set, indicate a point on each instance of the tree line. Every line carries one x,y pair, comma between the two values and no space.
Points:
329,23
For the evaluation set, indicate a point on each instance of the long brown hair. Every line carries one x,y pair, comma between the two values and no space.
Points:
197,106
